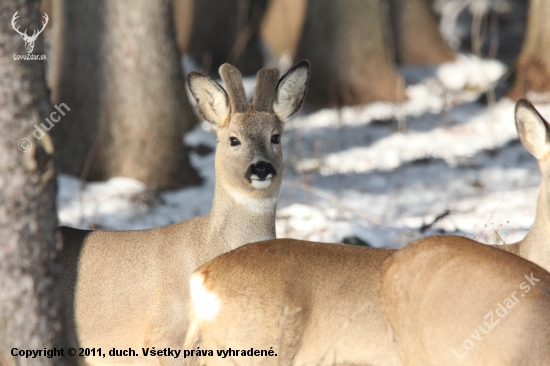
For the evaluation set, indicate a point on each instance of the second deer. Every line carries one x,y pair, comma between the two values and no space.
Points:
458,283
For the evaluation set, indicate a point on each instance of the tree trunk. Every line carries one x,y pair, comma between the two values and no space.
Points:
351,62
183,13
533,66
30,306
417,37
227,31
116,66
282,26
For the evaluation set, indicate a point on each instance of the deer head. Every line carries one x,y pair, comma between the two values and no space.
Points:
249,155
29,40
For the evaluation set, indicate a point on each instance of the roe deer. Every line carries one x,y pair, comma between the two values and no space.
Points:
459,302
318,304
440,320
129,289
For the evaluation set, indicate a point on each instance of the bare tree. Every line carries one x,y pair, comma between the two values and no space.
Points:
183,20
351,61
417,37
282,26
227,31
115,65
30,304
532,72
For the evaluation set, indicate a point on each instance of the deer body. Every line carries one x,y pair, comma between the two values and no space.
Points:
129,289
292,274
483,277
318,306
452,302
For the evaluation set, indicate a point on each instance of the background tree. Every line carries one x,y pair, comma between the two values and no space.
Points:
116,65
29,296
351,61
417,37
227,31
282,26
183,20
532,72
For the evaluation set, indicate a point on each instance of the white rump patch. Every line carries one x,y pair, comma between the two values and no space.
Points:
205,304
255,205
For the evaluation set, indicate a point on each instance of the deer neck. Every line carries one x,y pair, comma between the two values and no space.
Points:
536,244
237,218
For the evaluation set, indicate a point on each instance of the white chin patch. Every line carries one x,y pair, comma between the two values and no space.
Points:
261,184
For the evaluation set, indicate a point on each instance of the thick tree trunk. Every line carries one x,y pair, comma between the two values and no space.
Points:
417,37
227,31
533,66
183,20
30,305
116,66
282,26
351,62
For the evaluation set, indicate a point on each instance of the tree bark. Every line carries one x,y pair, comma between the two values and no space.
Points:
417,37
282,26
532,72
30,306
227,31
351,62
116,66
183,20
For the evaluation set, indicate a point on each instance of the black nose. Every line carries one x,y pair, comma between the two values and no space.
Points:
262,169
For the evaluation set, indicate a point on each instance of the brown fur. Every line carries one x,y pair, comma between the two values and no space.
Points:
457,281
306,310
534,134
308,277
130,288
437,292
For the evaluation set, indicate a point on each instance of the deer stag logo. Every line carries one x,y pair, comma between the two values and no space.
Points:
29,41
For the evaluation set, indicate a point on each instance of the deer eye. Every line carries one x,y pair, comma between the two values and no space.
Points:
234,141
275,139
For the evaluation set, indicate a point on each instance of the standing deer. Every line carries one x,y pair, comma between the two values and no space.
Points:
129,289
29,40
457,282
318,304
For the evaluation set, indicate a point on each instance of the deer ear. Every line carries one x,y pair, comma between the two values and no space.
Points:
211,98
533,130
291,90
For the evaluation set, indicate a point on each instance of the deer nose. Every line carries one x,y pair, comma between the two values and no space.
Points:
262,170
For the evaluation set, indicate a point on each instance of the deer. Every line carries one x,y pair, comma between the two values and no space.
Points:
29,40
129,289
483,276
318,304
459,302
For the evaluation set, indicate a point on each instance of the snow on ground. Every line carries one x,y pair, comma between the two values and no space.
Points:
381,173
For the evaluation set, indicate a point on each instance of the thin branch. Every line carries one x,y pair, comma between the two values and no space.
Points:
334,200
425,227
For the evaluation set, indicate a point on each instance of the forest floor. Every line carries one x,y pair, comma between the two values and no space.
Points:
381,174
